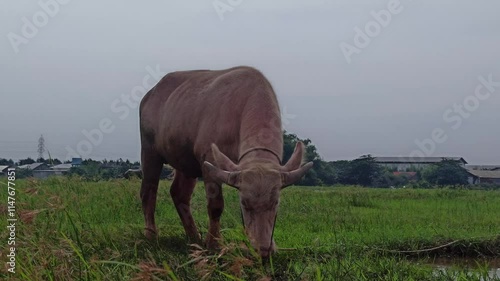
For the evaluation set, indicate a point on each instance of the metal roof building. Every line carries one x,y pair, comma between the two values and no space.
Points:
414,163
62,167
484,176
4,170
34,166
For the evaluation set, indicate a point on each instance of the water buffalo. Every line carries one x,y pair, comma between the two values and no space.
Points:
224,126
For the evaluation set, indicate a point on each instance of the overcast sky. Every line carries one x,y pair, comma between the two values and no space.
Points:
64,68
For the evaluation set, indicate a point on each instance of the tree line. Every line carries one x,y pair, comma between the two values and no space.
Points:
364,171
89,169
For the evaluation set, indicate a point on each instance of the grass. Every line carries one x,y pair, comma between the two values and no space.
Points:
70,229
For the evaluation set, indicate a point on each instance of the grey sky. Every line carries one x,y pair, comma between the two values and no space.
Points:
394,92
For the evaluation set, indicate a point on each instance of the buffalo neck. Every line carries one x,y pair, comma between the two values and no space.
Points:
261,128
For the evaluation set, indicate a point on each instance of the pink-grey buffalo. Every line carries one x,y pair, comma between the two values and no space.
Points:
224,126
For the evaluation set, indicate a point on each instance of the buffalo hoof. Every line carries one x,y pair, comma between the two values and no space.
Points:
195,239
212,243
150,233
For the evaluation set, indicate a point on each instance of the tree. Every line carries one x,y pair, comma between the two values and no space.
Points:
26,161
325,172
24,173
6,162
389,179
93,170
317,175
289,142
49,161
365,170
446,172
342,171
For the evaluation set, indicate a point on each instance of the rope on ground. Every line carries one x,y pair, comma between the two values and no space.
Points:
387,250
415,251
406,251
382,249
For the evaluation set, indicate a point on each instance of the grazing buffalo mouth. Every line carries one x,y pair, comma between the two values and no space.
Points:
265,247
225,126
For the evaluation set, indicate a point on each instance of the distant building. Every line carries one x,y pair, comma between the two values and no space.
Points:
61,168
76,161
43,174
34,166
413,163
4,170
38,169
484,176
57,170
483,167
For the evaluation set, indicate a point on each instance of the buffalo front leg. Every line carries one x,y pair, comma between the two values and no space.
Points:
181,191
215,207
152,165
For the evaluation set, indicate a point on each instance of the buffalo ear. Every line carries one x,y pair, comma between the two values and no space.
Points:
296,158
220,176
288,178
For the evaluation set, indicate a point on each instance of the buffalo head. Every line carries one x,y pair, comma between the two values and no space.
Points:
259,183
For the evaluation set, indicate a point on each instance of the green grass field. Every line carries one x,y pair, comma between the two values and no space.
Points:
69,229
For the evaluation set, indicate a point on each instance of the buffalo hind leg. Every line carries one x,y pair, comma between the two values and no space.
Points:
215,207
181,191
152,165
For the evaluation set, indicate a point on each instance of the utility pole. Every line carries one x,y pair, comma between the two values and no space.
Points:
41,146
